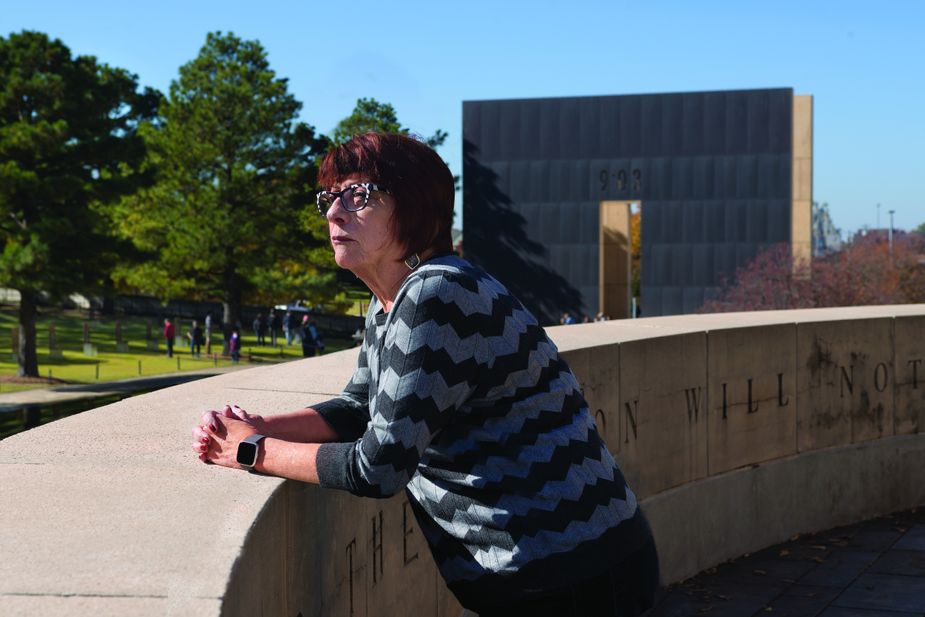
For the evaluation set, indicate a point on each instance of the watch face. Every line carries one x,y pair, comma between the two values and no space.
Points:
247,454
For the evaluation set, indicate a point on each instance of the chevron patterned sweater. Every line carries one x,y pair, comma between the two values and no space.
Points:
460,398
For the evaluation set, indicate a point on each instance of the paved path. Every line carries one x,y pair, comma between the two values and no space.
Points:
77,392
872,569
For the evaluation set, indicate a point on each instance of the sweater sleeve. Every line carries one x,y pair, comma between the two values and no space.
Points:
426,371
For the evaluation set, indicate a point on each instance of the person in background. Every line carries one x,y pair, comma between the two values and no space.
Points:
234,345
274,324
295,327
169,334
208,324
260,329
311,341
195,339
460,399
288,321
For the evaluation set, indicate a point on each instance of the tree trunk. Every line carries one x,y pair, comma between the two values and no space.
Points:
28,359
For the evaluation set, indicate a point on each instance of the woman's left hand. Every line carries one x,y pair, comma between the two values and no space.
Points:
224,439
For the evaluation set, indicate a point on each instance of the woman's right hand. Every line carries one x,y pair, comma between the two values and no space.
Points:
208,422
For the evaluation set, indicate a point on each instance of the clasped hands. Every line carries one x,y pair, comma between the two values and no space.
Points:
216,438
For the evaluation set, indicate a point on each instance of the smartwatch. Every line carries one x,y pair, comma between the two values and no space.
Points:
248,451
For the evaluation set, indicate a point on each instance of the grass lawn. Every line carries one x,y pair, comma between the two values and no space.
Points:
73,366
359,301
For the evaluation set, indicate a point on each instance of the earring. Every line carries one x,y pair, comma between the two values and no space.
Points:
413,262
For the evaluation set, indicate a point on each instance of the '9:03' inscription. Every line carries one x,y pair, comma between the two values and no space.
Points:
620,181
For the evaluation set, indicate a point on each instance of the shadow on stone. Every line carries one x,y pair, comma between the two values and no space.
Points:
499,243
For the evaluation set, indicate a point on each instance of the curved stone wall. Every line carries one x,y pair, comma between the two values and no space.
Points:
737,431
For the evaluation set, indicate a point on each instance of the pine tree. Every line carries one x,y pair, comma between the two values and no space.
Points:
231,214
68,143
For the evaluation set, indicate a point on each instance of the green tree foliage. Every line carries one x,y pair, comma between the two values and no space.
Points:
231,214
371,115
68,141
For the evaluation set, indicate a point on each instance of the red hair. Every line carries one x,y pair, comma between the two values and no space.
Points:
415,176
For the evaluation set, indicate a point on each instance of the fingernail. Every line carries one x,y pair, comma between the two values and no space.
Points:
213,427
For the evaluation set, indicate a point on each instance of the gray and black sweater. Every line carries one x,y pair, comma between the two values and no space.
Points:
460,398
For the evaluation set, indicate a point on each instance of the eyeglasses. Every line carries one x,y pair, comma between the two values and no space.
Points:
352,198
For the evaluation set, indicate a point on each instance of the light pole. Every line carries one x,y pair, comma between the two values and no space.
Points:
891,232
878,216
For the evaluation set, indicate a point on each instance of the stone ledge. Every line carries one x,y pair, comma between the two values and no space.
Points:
109,511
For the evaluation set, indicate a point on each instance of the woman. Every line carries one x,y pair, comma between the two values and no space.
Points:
311,342
461,399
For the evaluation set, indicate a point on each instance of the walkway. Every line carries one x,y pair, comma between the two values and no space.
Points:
871,569
78,392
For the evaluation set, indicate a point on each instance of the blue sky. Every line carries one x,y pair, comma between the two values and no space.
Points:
864,62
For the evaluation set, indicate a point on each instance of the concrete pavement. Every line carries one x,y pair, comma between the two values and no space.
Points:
870,569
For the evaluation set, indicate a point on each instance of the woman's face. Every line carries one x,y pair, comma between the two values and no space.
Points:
363,240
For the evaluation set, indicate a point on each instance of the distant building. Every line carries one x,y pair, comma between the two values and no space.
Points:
548,183
879,235
826,237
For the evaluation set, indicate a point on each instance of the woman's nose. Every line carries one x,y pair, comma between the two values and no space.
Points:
336,212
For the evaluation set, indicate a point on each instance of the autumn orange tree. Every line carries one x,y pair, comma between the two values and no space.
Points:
636,251
868,270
